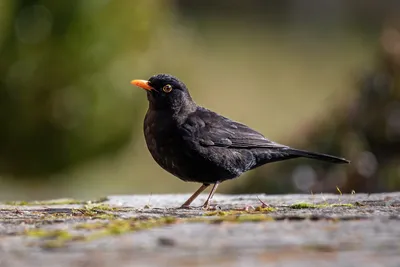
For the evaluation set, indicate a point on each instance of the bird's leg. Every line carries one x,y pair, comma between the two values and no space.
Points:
194,196
206,204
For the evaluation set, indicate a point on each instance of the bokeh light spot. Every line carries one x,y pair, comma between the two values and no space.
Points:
367,164
304,177
33,24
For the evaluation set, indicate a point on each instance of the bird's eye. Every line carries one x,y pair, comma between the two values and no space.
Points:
167,88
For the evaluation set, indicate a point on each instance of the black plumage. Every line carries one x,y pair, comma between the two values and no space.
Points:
198,145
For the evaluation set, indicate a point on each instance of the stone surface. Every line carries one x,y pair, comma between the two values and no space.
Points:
130,230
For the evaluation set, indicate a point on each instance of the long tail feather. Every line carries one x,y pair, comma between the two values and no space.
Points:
318,156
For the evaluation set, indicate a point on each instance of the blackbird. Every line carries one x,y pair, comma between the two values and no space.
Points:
198,145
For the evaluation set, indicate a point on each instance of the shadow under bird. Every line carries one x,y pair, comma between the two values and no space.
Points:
198,145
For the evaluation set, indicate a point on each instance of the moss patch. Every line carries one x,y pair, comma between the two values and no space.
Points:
257,210
122,226
53,238
41,233
239,216
304,205
94,230
102,211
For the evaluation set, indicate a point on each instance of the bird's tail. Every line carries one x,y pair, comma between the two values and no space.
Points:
318,156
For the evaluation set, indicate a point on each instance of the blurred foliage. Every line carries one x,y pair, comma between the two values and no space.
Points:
60,101
65,96
365,128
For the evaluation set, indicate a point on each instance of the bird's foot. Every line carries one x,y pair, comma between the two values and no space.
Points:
211,207
246,208
192,208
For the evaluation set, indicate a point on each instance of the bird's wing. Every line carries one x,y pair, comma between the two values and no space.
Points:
211,129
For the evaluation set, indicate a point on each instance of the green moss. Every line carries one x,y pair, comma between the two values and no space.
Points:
90,226
233,218
102,207
105,212
220,213
170,219
60,242
257,210
58,238
16,203
264,209
46,216
240,216
118,227
303,205
105,216
121,226
41,233
320,248
53,238
51,244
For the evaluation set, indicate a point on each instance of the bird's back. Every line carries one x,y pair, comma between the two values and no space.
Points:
233,145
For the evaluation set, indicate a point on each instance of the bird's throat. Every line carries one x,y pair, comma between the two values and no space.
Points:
177,109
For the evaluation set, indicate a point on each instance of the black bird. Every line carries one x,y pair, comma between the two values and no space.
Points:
198,145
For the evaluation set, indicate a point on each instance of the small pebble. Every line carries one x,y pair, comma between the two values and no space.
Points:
166,242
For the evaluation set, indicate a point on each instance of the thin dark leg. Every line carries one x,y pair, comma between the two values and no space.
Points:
206,204
194,196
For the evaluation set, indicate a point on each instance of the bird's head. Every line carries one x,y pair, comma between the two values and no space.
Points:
165,91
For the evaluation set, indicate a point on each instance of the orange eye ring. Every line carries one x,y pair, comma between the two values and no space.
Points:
167,88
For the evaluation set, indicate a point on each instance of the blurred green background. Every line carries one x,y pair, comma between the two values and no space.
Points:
321,75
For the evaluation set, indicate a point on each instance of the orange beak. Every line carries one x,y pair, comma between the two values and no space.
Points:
142,84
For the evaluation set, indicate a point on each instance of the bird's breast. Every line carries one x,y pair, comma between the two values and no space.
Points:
165,143
176,155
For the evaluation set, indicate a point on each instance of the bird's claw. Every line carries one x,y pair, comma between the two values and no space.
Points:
211,207
247,208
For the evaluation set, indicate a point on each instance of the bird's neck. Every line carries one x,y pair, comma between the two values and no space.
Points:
178,110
